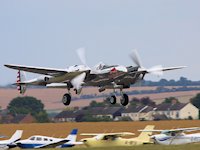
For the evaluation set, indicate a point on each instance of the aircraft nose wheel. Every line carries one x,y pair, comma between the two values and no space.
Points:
124,99
66,99
112,99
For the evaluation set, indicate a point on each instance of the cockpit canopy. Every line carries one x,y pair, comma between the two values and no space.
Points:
101,66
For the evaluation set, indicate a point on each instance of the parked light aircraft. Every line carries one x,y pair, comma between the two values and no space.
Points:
77,76
115,139
10,143
175,136
38,141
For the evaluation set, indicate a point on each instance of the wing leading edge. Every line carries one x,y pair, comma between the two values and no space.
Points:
39,70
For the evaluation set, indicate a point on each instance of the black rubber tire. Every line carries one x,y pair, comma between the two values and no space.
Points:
66,99
112,99
124,100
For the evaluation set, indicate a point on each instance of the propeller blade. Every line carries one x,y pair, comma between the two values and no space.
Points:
77,82
81,54
156,70
136,58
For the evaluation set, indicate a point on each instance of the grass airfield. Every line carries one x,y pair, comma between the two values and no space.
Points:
143,147
147,147
63,129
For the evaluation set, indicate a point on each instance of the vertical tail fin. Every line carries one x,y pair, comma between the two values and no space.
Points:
145,136
16,136
72,136
21,76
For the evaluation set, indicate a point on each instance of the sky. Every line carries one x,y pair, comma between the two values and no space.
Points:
46,33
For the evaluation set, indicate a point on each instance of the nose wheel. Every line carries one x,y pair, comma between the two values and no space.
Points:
66,99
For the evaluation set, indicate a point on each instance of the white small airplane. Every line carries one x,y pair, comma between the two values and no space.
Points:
175,136
38,141
78,76
10,143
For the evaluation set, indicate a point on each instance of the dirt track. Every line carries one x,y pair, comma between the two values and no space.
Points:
62,129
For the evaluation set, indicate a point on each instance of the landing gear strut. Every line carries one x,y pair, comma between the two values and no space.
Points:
66,99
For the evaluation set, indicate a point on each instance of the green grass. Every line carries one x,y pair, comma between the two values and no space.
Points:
145,147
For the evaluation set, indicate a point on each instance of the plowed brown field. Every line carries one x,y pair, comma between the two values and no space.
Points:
52,97
63,129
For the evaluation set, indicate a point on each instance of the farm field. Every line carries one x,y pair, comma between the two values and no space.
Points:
63,129
52,97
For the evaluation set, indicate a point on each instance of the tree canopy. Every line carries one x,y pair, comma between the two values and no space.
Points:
171,100
196,101
28,105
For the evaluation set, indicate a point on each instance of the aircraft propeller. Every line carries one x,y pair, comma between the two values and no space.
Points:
81,54
155,70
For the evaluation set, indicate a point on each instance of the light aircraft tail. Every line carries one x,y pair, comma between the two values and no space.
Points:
145,136
16,136
72,136
21,77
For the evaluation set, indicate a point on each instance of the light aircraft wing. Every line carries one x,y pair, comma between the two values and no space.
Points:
39,70
119,134
53,145
174,130
185,129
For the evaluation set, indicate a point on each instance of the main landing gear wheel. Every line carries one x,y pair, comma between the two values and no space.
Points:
124,99
66,99
112,99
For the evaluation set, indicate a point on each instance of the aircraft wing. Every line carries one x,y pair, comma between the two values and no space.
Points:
173,68
174,130
185,129
53,145
39,70
119,134
158,69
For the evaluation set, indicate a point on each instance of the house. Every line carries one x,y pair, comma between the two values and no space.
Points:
96,112
111,112
23,118
69,116
140,112
20,118
178,110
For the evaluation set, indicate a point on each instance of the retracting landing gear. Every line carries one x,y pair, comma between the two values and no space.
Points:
124,99
112,99
66,98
